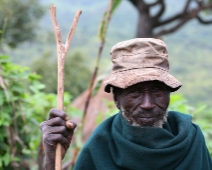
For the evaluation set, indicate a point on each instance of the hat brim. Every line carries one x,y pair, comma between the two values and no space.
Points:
124,79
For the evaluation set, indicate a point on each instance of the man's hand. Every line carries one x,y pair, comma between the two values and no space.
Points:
58,129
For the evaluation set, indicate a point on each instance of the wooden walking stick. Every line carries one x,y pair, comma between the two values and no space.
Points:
62,50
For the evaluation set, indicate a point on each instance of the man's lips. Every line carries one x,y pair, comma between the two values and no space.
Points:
145,118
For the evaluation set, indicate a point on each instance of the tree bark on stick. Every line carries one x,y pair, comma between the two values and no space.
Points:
62,50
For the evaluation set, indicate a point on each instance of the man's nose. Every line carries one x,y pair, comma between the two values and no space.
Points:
147,102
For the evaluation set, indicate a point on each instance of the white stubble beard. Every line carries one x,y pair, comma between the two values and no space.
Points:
158,124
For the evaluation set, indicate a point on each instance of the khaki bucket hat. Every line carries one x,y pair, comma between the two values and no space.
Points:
138,60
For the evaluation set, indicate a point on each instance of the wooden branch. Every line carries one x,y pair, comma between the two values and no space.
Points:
40,156
140,5
200,2
174,28
169,20
155,3
182,15
186,6
107,20
134,2
108,17
72,29
202,21
72,162
161,11
172,18
193,14
62,50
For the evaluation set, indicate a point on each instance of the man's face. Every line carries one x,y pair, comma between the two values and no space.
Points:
144,104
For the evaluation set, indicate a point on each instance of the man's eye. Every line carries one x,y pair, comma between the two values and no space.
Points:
158,90
134,92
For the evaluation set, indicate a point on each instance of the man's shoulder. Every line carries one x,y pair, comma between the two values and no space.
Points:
176,120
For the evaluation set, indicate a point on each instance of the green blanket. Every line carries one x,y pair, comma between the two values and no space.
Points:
115,145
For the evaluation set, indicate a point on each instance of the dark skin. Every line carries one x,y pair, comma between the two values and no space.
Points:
144,104
57,129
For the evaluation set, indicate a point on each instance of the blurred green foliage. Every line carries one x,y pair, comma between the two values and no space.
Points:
25,102
103,25
23,106
15,134
201,116
77,73
19,20
189,48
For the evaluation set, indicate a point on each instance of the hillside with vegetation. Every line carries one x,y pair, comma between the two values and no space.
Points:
189,48
26,98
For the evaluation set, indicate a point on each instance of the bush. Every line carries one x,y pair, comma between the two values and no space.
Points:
23,107
201,116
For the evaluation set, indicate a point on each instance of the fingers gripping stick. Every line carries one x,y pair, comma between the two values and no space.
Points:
62,50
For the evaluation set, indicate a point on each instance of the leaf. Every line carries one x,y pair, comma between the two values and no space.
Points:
102,27
106,18
5,119
17,88
6,158
33,77
36,87
99,119
1,99
74,112
16,159
67,98
199,109
116,3
78,135
4,59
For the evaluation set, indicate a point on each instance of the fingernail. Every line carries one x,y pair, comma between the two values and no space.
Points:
74,125
69,125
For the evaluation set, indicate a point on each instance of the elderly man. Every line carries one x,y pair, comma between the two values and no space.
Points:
143,135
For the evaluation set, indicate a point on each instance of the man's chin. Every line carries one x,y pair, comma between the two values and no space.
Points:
156,119
150,121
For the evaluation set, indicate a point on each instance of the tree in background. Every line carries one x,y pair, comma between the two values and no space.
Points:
18,21
149,23
77,73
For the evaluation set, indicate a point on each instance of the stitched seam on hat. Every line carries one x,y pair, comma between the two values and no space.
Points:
142,67
164,77
147,79
137,54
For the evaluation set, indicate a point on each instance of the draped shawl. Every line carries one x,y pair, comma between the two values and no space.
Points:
116,145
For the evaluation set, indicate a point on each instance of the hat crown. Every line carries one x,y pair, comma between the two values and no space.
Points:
139,53
139,60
